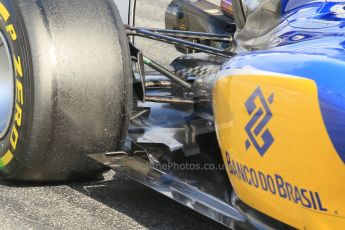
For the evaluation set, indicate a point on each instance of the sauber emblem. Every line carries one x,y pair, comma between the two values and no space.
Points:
259,136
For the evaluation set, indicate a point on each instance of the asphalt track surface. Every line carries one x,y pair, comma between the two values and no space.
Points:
116,204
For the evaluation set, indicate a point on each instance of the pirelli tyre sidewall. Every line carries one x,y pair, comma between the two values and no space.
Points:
14,141
72,87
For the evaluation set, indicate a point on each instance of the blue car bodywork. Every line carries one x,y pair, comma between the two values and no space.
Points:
309,42
290,68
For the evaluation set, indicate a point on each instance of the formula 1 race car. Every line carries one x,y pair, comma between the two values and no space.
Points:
246,126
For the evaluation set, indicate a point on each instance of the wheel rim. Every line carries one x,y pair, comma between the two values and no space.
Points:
6,86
